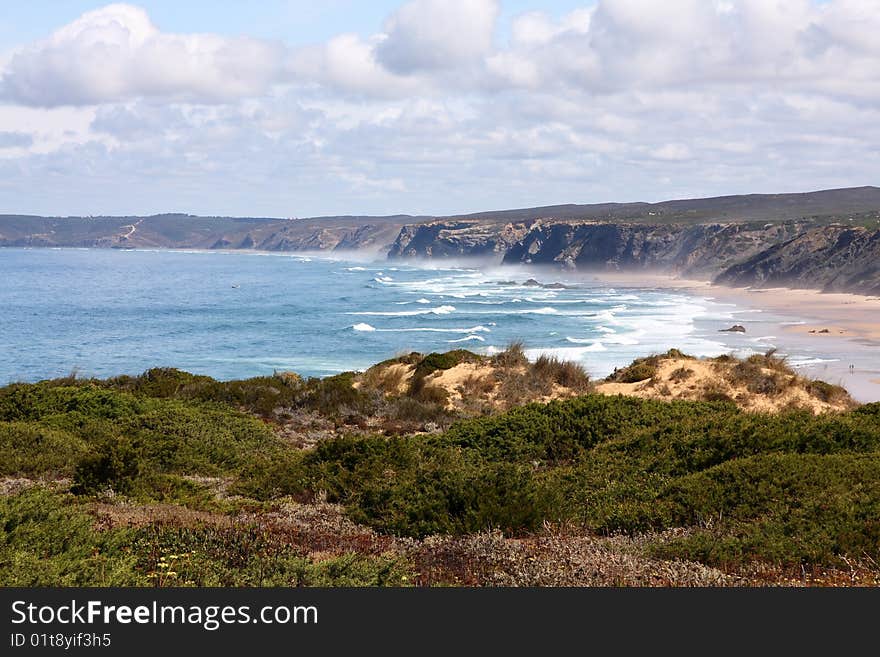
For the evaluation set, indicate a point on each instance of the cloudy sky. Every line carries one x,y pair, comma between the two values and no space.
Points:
294,108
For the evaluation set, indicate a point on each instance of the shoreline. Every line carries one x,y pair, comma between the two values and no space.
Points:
825,333
851,316
842,322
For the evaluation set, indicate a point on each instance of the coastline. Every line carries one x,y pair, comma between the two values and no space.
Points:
822,334
847,323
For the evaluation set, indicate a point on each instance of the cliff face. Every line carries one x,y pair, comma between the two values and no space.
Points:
446,239
792,253
682,249
832,258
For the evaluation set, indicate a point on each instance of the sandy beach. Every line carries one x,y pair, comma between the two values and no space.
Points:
847,323
826,314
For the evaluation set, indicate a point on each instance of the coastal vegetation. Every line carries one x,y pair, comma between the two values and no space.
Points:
441,469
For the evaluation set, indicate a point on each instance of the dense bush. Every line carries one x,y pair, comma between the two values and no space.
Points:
792,488
107,439
780,508
623,464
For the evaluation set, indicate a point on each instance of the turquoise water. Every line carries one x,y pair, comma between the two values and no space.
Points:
234,315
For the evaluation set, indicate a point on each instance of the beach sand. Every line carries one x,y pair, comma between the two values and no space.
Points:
848,323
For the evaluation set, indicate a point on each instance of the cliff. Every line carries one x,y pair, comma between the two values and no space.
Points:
831,258
442,239
790,253
692,250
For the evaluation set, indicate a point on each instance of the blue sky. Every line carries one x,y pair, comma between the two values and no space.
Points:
429,106
293,21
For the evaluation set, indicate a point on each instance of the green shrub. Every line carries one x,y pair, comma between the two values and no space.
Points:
780,508
114,465
46,540
29,449
790,489
444,361
111,439
638,371
827,392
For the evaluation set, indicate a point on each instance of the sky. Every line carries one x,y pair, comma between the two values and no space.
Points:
290,109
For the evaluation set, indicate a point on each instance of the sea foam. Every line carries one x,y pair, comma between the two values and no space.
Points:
470,338
439,310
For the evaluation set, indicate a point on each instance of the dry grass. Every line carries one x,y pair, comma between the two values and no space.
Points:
681,374
763,383
477,385
514,356
467,384
562,373
390,380
759,380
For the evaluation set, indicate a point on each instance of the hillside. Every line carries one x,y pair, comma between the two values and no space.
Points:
828,239
177,231
385,478
831,258
859,203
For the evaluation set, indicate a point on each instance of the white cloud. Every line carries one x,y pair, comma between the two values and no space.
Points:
15,139
116,53
348,63
430,35
672,152
622,100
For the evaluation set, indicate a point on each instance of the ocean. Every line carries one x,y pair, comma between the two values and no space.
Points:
102,312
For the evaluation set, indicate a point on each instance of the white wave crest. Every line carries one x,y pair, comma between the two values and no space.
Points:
579,340
469,338
425,329
566,353
803,362
439,310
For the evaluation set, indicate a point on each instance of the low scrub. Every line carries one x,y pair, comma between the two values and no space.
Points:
791,489
48,539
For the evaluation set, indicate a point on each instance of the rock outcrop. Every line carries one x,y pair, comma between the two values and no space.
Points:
445,239
831,258
698,249
691,250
